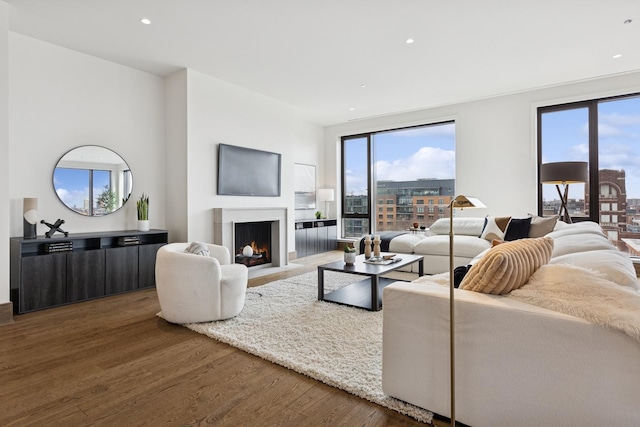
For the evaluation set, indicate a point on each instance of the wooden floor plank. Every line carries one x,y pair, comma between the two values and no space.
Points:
112,361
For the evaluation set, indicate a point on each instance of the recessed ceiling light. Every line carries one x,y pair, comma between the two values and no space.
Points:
145,21
616,56
409,41
363,85
352,109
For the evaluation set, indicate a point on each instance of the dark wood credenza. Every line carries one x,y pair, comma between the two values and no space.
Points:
99,265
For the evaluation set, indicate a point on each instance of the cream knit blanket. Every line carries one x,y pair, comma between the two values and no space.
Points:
585,294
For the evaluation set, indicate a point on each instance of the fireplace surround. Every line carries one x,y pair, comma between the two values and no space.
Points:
224,220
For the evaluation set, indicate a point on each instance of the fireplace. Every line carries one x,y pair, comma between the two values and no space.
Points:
224,226
257,237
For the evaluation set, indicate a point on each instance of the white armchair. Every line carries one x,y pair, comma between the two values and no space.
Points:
195,288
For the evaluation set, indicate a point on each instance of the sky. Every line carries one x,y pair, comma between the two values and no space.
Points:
565,138
72,185
429,151
405,155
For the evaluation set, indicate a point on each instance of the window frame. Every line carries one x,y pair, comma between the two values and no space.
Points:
594,180
371,189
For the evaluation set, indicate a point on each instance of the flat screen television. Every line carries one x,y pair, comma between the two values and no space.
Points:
248,172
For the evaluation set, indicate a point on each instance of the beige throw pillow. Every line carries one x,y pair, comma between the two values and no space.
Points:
541,226
508,266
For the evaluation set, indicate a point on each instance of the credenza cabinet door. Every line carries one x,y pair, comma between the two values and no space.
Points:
44,281
85,275
147,265
121,269
317,236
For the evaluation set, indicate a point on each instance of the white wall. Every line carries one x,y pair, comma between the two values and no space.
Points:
4,152
60,99
219,112
496,152
175,167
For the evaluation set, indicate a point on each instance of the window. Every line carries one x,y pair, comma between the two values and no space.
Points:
93,194
420,202
605,133
396,166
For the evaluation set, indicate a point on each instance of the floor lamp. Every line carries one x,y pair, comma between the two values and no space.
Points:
326,195
564,173
460,202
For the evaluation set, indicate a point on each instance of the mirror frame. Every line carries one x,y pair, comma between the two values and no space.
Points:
92,159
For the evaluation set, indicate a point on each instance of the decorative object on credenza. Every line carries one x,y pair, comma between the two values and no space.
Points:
143,213
318,215
459,202
53,228
349,255
30,217
564,173
54,247
128,240
326,195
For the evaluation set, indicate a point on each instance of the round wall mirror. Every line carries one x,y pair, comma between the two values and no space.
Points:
92,180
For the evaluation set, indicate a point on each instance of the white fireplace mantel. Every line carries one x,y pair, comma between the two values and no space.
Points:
225,218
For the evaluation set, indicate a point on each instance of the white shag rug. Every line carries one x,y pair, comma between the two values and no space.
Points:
283,322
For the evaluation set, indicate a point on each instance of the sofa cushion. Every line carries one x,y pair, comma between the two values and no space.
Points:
541,226
495,227
612,263
404,243
467,226
463,246
508,266
518,229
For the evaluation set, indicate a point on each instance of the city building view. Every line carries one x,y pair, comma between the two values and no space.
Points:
400,204
619,216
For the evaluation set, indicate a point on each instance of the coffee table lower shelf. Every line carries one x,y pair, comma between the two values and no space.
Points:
358,294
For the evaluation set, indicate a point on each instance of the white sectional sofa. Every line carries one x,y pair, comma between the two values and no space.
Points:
517,364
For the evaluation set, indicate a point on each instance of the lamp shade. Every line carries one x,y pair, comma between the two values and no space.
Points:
461,202
564,172
325,195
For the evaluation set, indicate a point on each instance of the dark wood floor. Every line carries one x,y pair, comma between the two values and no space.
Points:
112,362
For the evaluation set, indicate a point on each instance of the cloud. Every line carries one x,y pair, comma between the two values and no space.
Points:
428,162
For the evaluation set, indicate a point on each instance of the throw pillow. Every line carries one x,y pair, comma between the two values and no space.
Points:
494,227
198,248
541,226
518,229
508,266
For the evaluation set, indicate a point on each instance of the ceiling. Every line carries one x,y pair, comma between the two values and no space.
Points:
343,60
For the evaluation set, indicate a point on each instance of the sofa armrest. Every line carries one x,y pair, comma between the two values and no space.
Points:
516,364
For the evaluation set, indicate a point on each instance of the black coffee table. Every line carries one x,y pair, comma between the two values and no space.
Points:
366,293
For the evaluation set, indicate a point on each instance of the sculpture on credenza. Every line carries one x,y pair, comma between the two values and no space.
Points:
53,228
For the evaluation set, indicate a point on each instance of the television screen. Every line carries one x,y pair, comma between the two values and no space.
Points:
248,172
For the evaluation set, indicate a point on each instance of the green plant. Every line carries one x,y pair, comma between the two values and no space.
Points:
143,208
107,199
349,249
318,214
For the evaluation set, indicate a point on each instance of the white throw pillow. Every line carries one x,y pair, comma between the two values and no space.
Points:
495,228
